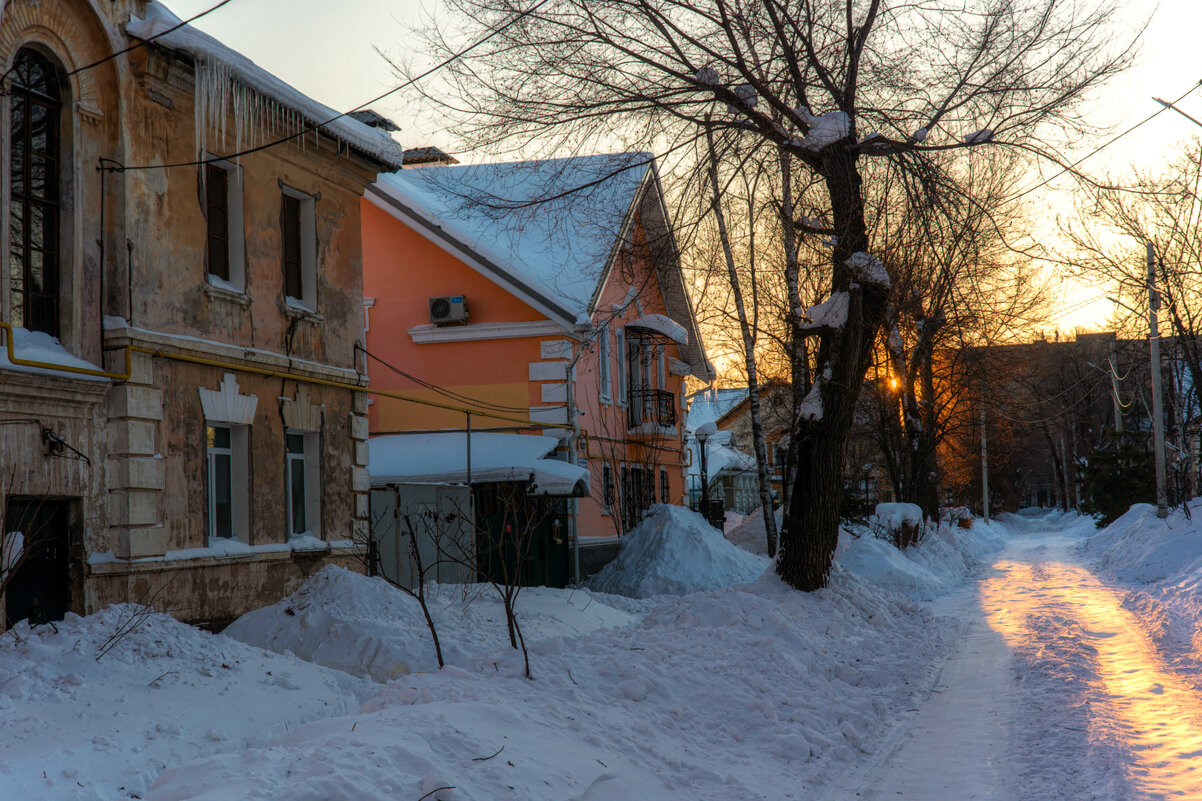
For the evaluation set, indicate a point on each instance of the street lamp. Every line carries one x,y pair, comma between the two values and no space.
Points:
703,433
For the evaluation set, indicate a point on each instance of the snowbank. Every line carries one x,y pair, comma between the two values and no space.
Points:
674,551
749,693
366,627
1161,560
750,534
80,728
925,570
1139,547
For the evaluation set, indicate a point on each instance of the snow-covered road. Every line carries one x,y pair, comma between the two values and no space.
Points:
1055,692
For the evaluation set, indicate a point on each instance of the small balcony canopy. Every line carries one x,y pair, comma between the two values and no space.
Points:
663,325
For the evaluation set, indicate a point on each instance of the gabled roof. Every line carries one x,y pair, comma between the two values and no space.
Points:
158,19
547,231
508,215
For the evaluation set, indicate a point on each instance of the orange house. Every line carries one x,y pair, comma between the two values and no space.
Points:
547,297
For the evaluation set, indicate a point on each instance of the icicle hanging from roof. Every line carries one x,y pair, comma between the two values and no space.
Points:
256,118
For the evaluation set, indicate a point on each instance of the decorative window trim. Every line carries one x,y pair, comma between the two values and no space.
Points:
225,405
623,368
429,334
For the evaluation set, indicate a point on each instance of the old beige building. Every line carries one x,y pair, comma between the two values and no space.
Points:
179,418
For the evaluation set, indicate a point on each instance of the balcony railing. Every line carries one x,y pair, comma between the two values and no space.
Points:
651,406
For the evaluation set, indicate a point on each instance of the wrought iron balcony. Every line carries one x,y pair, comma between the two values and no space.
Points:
655,407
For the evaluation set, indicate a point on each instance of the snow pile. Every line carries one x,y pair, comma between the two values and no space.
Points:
893,516
80,728
366,627
674,551
752,693
750,534
1141,548
1163,560
922,571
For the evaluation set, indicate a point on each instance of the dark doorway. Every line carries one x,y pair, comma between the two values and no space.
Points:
520,540
40,588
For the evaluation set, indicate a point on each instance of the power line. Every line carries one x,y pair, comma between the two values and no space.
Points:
449,393
150,39
131,48
1104,145
285,139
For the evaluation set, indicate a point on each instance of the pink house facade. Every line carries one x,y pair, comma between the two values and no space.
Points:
547,298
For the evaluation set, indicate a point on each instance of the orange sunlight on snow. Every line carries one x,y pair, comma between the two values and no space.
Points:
1140,704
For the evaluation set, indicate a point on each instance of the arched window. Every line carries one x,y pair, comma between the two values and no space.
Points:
34,154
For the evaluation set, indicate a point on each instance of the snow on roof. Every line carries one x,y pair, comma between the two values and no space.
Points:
712,404
661,324
36,346
374,142
525,219
442,457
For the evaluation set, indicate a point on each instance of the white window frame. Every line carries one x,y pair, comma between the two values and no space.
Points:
661,367
605,368
309,460
623,363
235,227
308,248
239,482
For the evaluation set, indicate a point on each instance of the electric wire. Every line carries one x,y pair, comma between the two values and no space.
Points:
133,47
449,393
1103,146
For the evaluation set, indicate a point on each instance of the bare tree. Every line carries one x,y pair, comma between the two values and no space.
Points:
819,86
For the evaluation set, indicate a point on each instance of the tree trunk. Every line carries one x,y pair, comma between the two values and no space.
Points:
753,385
799,358
811,525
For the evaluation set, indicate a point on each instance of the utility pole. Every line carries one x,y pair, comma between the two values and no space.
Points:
984,465
1162,501
1114,385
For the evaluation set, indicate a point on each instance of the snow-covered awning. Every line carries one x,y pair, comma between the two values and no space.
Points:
442,458
661,324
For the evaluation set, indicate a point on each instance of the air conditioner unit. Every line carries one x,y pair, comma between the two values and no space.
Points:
448,309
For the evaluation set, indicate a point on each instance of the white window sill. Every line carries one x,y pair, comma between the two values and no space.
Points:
299,309
218,289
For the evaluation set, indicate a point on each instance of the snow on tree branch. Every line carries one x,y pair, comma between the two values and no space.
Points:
867,270
831,313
